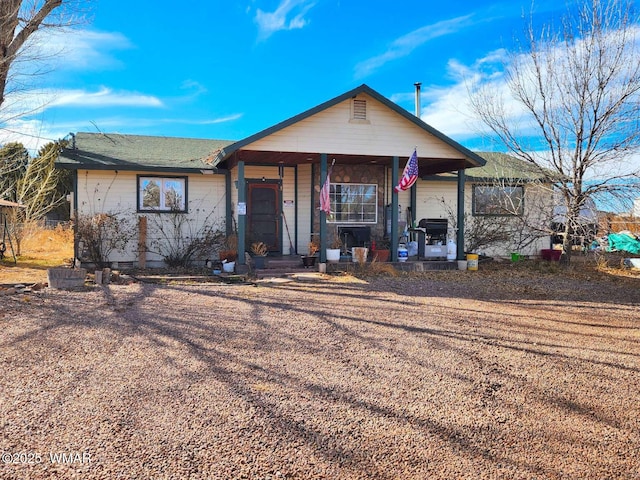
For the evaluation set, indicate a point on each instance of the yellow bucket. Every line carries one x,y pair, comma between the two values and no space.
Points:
472,261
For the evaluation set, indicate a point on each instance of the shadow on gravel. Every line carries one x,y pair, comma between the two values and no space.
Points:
312,364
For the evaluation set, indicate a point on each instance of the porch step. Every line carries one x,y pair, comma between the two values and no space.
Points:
282,263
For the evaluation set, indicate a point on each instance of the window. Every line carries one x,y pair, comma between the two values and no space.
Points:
498,200
162,194
354,203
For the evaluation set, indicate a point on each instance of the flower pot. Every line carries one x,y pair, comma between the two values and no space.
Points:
308,261
333,255
551,255
259,261
381,255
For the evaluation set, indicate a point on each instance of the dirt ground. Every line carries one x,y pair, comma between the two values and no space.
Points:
502,373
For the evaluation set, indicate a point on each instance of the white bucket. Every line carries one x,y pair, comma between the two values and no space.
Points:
228,267
462,264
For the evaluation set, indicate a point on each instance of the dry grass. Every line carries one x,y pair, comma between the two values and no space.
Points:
41,249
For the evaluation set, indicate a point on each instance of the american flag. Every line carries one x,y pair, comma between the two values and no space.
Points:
325,199
410,173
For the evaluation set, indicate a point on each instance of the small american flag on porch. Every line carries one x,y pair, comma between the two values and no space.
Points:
325,198
410,173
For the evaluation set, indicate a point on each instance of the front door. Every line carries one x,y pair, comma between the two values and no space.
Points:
263,214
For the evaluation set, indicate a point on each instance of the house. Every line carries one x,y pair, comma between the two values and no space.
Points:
266,187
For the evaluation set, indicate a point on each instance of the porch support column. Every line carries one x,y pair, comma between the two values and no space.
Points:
460,222
242,212
394,209
323,215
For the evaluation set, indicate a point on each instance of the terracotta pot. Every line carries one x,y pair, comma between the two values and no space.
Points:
381,255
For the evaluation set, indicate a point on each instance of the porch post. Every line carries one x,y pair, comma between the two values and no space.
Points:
460,222
242,212
323,215
394,209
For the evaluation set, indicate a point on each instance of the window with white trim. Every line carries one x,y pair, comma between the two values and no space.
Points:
162,194
354,203
498,200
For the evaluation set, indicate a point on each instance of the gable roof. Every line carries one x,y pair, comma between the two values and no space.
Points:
502,166
226,152
100,151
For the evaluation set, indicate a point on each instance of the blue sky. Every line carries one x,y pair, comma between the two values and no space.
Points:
226,70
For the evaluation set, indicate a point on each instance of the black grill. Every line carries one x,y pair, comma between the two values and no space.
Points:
435,229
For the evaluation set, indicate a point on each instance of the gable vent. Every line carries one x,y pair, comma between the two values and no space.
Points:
359,109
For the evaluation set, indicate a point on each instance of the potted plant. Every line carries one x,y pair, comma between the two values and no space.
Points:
380,250
259,251
229,253
309,260
333,249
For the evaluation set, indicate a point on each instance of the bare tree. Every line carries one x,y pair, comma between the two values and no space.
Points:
512,206
571,104
19,21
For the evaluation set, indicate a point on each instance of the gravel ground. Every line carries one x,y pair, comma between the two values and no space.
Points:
450,375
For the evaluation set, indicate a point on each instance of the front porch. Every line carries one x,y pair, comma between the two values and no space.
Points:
359,143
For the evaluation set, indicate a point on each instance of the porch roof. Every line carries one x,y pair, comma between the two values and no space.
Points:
228,156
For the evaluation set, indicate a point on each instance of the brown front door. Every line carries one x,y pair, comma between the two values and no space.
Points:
263,214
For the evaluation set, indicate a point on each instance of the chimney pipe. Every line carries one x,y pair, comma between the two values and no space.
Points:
418,109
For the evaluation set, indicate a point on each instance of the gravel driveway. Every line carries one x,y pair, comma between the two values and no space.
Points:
450,375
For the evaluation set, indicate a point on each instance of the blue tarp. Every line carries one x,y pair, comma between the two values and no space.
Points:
623,242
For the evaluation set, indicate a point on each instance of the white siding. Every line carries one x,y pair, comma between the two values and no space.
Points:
115,193
385,133
436,199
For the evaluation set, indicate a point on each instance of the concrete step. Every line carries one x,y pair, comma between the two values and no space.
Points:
279,263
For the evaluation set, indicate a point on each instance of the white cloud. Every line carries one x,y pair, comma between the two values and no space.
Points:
105,97
406,44
33,134
289,15
87,49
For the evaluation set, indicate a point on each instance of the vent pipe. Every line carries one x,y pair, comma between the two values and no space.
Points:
418,109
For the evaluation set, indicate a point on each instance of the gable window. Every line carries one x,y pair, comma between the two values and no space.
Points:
354,203
498,200
162,194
